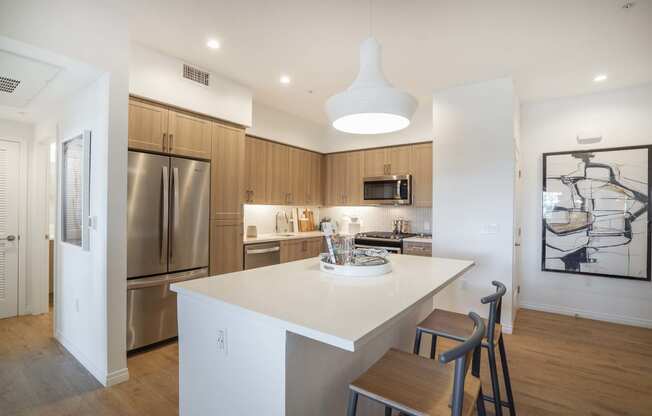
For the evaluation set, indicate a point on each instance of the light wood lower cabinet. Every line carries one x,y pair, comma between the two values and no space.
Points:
299,249
417,249
225,247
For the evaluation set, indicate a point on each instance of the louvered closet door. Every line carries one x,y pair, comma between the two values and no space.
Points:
9,157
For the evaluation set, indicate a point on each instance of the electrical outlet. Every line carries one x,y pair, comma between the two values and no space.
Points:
222,341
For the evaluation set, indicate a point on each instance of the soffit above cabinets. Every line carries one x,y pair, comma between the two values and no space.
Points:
22,79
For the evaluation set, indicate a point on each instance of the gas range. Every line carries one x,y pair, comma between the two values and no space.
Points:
392,242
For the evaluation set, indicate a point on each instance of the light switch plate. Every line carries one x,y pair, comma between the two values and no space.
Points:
489,229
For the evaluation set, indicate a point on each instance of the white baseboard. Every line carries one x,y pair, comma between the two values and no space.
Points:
598,316
117,377
83,360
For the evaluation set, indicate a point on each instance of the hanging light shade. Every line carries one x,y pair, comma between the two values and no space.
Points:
371,105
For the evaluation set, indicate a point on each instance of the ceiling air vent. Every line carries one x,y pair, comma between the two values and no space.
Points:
8,84
195,74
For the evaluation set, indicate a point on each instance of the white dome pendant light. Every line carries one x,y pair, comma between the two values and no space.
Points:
371,105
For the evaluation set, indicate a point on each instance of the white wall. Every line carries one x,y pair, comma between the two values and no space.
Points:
80,287
97,35
273,124
624,118
159,77
473,189
24,134
419,130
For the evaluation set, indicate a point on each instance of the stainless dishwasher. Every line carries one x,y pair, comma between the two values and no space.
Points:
262,254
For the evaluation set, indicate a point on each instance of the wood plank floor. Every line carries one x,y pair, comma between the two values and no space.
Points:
560,366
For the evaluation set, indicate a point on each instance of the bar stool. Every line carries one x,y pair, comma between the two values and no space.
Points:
451,325
418,386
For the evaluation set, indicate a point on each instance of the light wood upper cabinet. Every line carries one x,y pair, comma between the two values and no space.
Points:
398,160
189,135
337,181
281,175
387,161
148,125
278,180
298,175
422,175
257,168
314,185
225,247
375,162
227,172
355,176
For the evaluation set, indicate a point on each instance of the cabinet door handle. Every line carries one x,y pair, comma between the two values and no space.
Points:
171,141
164,143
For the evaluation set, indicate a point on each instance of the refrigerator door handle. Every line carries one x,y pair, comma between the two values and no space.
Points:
175,209
164,222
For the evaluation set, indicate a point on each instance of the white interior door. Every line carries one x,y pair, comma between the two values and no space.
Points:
9,241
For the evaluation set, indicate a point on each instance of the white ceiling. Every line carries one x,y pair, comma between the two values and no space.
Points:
552,48
46,80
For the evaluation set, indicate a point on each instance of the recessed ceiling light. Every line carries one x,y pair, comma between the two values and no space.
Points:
213,44
600,78
285,79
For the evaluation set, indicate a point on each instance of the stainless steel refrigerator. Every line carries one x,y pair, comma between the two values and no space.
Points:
167,228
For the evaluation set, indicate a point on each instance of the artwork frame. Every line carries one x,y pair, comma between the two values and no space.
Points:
549,232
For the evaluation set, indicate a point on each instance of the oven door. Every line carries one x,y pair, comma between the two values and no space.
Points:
388,190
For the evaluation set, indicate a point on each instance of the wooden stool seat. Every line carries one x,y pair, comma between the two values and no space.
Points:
453,325
415,385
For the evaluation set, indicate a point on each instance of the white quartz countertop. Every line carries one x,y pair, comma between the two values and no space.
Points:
424,240
341,311
266,238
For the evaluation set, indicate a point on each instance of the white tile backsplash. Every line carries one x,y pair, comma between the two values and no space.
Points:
264,216
373,218
381,218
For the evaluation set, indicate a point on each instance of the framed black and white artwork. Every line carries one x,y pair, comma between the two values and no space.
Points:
595,212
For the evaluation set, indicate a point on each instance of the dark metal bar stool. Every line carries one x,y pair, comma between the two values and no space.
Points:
451,325
417,386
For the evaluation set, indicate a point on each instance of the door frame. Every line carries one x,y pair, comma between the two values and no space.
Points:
23,240
38,223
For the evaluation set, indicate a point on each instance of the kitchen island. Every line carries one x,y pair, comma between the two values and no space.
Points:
287,339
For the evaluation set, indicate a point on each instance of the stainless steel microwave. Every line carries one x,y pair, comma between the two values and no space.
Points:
388,190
